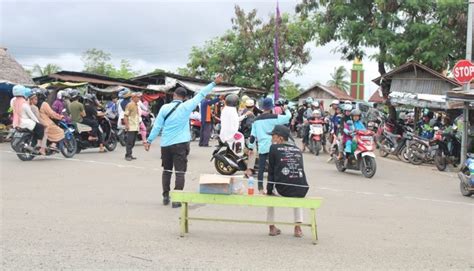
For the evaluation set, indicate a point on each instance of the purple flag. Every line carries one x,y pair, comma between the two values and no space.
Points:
275,49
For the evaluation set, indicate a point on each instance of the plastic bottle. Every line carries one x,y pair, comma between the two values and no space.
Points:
250,186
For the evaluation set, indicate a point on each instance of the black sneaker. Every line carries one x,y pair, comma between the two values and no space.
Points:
133,157
176,204
128,158
166,200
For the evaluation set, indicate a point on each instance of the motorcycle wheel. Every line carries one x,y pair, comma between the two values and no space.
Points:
413,155
383,147
193,135
111,144
317,148
403,155
22,153
223,169
339,164
464,190
69,147
440,160
369,167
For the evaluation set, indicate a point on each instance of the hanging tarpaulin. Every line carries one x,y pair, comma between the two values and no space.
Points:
218,90
419,100
151,97
108,90
62,85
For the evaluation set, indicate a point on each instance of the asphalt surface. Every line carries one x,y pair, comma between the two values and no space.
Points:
98,211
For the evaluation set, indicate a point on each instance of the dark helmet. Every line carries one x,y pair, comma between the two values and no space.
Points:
232,100
89,97
41,93
73,93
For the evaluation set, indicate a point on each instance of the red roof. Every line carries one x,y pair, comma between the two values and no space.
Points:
376,97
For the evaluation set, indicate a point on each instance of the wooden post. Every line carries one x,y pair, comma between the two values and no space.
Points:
314,229
183,220
186,210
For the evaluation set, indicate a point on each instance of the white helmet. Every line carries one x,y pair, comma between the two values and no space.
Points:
317,112
346,107
315,104
336,102
348,102
60,94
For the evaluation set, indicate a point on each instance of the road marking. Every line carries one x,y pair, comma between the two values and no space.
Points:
241,176
390,195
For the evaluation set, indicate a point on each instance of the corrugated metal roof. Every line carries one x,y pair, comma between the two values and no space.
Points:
333,91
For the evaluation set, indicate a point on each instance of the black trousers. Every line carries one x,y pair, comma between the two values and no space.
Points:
95,128
174,156
131,138
38,131
206,130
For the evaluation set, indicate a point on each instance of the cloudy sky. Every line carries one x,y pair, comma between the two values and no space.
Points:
151,34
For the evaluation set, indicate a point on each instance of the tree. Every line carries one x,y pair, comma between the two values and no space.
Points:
338,79
244,54
289,90
431,32
97,61
46,70
124,71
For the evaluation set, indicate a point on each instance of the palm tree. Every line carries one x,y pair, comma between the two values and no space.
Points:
46,70
339,79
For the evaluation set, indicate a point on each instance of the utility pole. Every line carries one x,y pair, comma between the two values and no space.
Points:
467,86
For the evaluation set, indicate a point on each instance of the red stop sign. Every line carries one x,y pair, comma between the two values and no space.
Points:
463,71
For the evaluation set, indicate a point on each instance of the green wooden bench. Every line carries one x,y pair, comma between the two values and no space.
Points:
243,200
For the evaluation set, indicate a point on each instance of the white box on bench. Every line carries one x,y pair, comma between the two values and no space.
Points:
217,184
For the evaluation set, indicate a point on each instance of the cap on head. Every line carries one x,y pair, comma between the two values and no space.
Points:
281,130
267,104
249,103
180,92
336,102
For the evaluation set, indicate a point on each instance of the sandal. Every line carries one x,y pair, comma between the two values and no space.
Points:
298,232
274,231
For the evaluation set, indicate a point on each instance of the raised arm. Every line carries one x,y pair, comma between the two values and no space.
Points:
191,104
284,119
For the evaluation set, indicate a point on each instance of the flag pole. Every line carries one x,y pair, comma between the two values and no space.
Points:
275,49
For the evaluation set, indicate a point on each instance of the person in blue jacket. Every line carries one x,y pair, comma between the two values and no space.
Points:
173,125
350,127
261,134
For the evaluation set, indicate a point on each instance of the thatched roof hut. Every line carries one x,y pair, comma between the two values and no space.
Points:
11,71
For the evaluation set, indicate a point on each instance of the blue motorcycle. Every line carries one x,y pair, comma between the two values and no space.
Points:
24,143
466,176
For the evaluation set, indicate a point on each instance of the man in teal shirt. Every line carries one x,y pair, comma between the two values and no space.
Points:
173,125
261,134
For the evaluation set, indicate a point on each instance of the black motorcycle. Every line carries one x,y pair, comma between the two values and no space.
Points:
83,132
449,150
395,144
227,162
24,143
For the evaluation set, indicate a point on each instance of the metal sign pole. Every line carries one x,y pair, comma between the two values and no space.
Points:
466,129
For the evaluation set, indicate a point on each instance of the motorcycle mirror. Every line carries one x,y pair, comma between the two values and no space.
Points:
63,111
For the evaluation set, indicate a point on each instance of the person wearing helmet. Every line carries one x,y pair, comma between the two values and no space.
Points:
23,116
243,102
350,127
47,117
247,116
230,121
90,119
59,104
278,110
315,115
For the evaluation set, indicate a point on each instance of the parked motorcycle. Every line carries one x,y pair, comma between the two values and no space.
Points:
83,133
316,134
421,150
449,150
363,158
466,176
227,162
24,143
195,128
396,144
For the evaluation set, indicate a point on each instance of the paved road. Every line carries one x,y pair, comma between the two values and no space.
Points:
97,211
